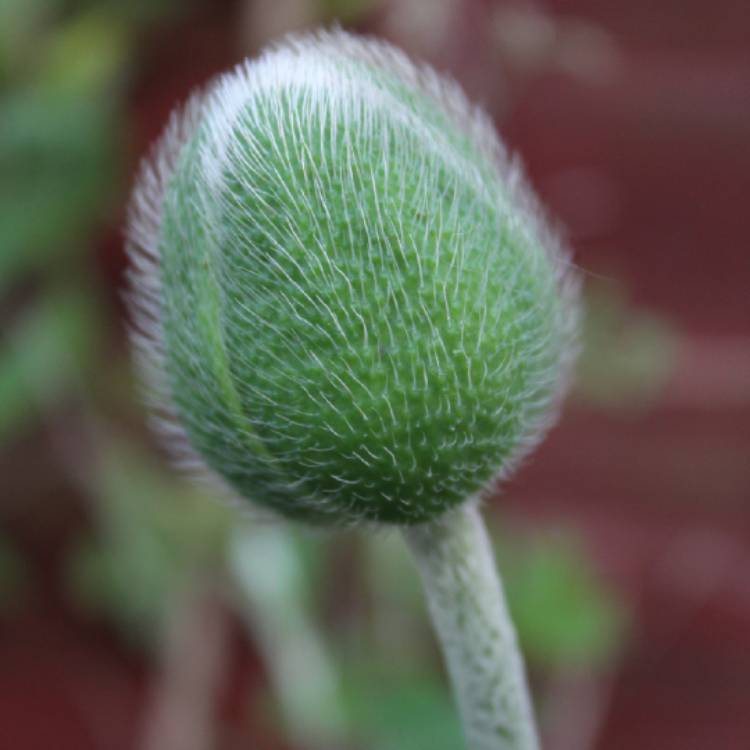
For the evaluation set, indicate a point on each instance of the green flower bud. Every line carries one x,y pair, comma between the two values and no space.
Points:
344,293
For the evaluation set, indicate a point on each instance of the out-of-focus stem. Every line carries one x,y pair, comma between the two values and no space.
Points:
181,714
266,568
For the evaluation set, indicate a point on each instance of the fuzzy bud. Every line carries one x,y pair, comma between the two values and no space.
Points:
344,294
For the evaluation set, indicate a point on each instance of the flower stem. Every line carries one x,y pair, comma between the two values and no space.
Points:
467,605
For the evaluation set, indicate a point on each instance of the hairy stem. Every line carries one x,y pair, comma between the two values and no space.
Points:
467,606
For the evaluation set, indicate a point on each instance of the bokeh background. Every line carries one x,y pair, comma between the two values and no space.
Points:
134,612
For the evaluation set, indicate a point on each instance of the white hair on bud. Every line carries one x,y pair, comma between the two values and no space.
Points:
322,65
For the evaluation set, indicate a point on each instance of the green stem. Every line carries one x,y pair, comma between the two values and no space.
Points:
467,606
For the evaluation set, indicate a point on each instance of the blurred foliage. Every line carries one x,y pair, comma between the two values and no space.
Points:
21,22
628,354
153,533
393,709
59,137
63,66
565,617
346,11
56,162
45,354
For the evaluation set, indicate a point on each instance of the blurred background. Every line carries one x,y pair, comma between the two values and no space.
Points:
134,614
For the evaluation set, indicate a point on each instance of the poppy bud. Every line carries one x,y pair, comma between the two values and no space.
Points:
344,293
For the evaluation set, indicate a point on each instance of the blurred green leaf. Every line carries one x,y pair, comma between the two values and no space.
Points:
140,494
56,169
394,710
127,582
628,354
346,11
84,54
140,13
563,614
59,139
21,22
46,351
73,42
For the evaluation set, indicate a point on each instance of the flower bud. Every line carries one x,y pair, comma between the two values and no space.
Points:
344,294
